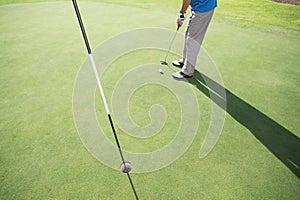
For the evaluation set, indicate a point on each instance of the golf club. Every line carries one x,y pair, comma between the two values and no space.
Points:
164,62
101,91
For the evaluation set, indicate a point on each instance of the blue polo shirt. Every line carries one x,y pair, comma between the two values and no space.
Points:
203,5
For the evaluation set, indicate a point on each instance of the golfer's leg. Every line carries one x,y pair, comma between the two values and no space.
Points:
186,37
196,30
184,48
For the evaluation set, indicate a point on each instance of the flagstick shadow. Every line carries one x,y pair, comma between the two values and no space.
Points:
277,139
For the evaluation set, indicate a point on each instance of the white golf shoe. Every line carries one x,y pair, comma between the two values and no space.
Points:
181,75
178,63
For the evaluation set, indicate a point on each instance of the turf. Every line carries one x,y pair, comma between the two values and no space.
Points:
255,46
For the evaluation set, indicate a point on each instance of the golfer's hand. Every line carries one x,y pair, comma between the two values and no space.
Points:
180,19
179,23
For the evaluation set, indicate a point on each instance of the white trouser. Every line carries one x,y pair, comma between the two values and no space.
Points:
194,36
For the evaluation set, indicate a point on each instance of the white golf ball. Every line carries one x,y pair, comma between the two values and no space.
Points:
125,167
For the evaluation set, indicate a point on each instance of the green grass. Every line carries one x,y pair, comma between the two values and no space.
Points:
263,12
255,46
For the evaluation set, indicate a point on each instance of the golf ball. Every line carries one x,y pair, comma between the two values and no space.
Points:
126,167
161,71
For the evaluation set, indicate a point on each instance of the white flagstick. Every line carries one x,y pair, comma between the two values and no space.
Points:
101,91
99,83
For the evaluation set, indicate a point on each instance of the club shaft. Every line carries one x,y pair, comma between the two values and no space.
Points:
171,44
101,89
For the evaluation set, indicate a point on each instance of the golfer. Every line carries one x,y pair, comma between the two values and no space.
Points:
201,14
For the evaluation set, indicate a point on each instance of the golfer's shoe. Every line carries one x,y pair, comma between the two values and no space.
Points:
178,63
181,75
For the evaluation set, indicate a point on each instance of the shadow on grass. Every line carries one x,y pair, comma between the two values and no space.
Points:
280,141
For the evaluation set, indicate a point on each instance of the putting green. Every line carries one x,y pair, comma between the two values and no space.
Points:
42,156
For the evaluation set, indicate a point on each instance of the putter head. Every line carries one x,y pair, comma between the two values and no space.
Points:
163,62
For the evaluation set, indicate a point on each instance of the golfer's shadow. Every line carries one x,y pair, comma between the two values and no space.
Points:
280,141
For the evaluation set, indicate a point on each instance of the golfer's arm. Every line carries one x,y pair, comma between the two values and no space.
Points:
185,5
